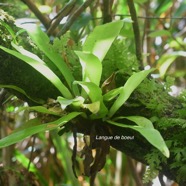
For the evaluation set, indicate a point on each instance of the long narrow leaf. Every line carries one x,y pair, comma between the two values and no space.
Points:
95,95
166,60
92,90
101,39
131,84
33,127
139,120
43,69
112,94
91,67
76,102
27,53
150,134
8,28
43,42
43,110
18,89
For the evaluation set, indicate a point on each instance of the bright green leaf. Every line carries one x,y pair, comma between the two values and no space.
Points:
33,127
140,1
160,33
167,59
42,109
10,30
162,7
139,120
95,95
77,102
22,92
92,90
25,161
43,69
91,67
112,94
93,107
131,84
101,39
150,134
43,42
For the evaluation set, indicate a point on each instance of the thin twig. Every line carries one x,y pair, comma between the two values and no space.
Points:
74,152
31,153
44,20
142,17
134,172
146,41
73,17
149,17
161,179
64,12
136,32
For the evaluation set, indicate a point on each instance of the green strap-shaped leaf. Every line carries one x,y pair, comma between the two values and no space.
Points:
34,126
92,90
43,69
25,161
101,39
95,48
91,67
139,120
167,59
131,84
93,107
8,28
160,33
43,110
43,43
22,92
151,135
27,53
76,102
112,94
95,95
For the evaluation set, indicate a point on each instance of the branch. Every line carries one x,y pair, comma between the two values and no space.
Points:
64,12
74,16
107,17
44,20
144,17
136,31
134,172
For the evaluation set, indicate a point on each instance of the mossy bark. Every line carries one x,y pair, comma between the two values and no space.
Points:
15,72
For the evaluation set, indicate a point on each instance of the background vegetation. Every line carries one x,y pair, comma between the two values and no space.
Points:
158,41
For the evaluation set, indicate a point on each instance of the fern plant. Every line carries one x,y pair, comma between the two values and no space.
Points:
83,98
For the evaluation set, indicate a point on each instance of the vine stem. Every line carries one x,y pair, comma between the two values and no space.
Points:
136,32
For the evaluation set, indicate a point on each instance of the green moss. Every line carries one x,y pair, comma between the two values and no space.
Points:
15,72
119,58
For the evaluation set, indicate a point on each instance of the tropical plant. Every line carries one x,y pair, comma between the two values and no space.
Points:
81,99
160,28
